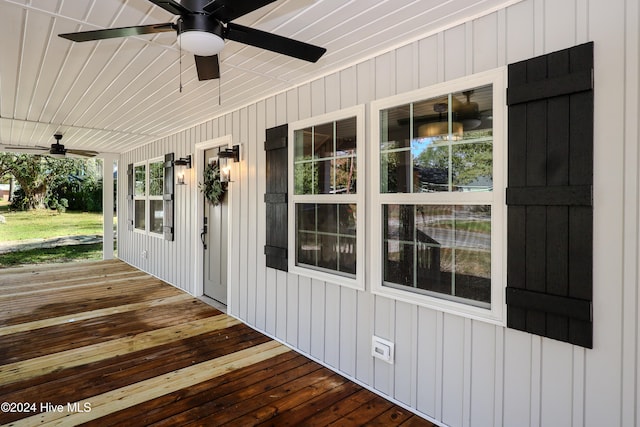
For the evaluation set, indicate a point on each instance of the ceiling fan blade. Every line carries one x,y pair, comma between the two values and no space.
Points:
83,153
110,33
227,10
172,6
208,67
274,43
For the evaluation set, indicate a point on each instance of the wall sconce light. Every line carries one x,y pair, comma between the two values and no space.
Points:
225,166
183,162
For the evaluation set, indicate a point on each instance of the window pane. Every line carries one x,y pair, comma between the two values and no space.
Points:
306,178
439,248
472,166
325,158
303,148
156,214
432,167
307,248
325,236
395,173
346,137
156,178
327,218
347,215
347,255
139,214
434,238
398,263
323,140
345,175
328,256
139,173
473,252
324,173
395,127
306,216
439,144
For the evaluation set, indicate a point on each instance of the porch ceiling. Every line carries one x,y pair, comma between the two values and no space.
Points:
115,95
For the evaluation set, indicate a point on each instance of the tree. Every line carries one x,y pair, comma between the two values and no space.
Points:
35,174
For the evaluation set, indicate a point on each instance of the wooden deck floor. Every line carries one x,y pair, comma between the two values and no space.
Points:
104,344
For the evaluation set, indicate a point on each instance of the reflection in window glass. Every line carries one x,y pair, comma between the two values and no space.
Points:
156,213
325,237
139,215
156,178
441,249
439,144
325,158
139,173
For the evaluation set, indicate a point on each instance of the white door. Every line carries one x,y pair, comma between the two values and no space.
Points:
215,237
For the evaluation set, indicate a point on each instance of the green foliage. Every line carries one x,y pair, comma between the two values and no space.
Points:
306,178
82,189
213,189
45,181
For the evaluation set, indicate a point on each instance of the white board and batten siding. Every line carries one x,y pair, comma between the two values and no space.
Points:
453,370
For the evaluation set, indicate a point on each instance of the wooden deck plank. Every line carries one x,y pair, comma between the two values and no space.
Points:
22,309
125,397
169,405
77,317
99,377
140,352
58,338
12,372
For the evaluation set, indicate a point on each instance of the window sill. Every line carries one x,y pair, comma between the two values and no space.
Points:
337,279
493,315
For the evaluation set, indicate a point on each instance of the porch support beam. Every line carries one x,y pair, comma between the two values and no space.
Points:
107,204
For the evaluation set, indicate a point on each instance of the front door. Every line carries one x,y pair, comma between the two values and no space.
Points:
216,220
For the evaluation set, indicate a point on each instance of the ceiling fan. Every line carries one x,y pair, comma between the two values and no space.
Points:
203,26
56,149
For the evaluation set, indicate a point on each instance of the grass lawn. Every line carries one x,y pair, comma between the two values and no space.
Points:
23,225
52,255
44,224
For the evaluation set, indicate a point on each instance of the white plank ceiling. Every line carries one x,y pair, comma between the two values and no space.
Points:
114,95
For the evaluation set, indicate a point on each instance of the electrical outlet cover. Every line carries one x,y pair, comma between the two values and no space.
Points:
382,349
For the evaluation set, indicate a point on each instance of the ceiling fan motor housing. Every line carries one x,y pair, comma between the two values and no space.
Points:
200,22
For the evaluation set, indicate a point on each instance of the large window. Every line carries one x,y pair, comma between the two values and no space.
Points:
327,230
438,201
148,200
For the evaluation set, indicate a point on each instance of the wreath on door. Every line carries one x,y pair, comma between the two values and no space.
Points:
212,188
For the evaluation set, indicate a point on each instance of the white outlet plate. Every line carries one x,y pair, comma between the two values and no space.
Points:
382,349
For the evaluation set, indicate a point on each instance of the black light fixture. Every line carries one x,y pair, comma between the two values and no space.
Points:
182,162
224,156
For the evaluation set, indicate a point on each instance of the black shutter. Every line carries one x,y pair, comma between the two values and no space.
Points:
130,202
167,196
549,195
276,197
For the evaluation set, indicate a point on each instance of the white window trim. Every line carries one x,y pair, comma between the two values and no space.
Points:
359,281
495,314
147,198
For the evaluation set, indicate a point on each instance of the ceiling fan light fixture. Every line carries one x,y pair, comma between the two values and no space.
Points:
440,130
201,43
